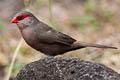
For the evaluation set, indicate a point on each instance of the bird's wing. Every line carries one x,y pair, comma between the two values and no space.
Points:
64,39
52,36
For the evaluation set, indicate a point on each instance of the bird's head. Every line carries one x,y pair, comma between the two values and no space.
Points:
24,19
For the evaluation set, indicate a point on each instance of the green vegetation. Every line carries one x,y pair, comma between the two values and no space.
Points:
109,16
17,67
2,25
82,21
40,3
89,7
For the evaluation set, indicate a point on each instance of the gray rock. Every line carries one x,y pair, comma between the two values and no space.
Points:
58,68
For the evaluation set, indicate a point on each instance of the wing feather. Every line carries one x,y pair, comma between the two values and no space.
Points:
49,35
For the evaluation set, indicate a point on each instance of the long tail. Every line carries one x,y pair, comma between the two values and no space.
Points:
78,44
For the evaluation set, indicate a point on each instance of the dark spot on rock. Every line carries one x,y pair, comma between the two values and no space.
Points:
72,72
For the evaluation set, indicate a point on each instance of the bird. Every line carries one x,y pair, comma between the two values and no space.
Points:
45,39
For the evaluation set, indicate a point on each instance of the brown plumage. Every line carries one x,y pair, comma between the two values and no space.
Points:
43,38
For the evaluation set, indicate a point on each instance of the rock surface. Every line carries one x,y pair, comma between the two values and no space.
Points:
58,68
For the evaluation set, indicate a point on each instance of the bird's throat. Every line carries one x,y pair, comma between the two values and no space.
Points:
21,26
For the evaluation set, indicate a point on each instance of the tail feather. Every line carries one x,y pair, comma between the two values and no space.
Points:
79,44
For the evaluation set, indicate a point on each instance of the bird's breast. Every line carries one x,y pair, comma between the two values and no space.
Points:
28,35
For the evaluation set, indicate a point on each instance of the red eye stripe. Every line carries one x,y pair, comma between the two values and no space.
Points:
21,17
18,18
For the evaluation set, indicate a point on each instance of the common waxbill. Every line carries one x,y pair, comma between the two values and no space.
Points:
43,38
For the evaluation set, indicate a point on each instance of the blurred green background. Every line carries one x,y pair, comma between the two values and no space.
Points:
94,21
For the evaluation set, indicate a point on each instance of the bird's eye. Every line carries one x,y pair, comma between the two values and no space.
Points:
20,17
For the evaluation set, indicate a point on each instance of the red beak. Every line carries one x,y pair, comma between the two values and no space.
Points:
14,20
